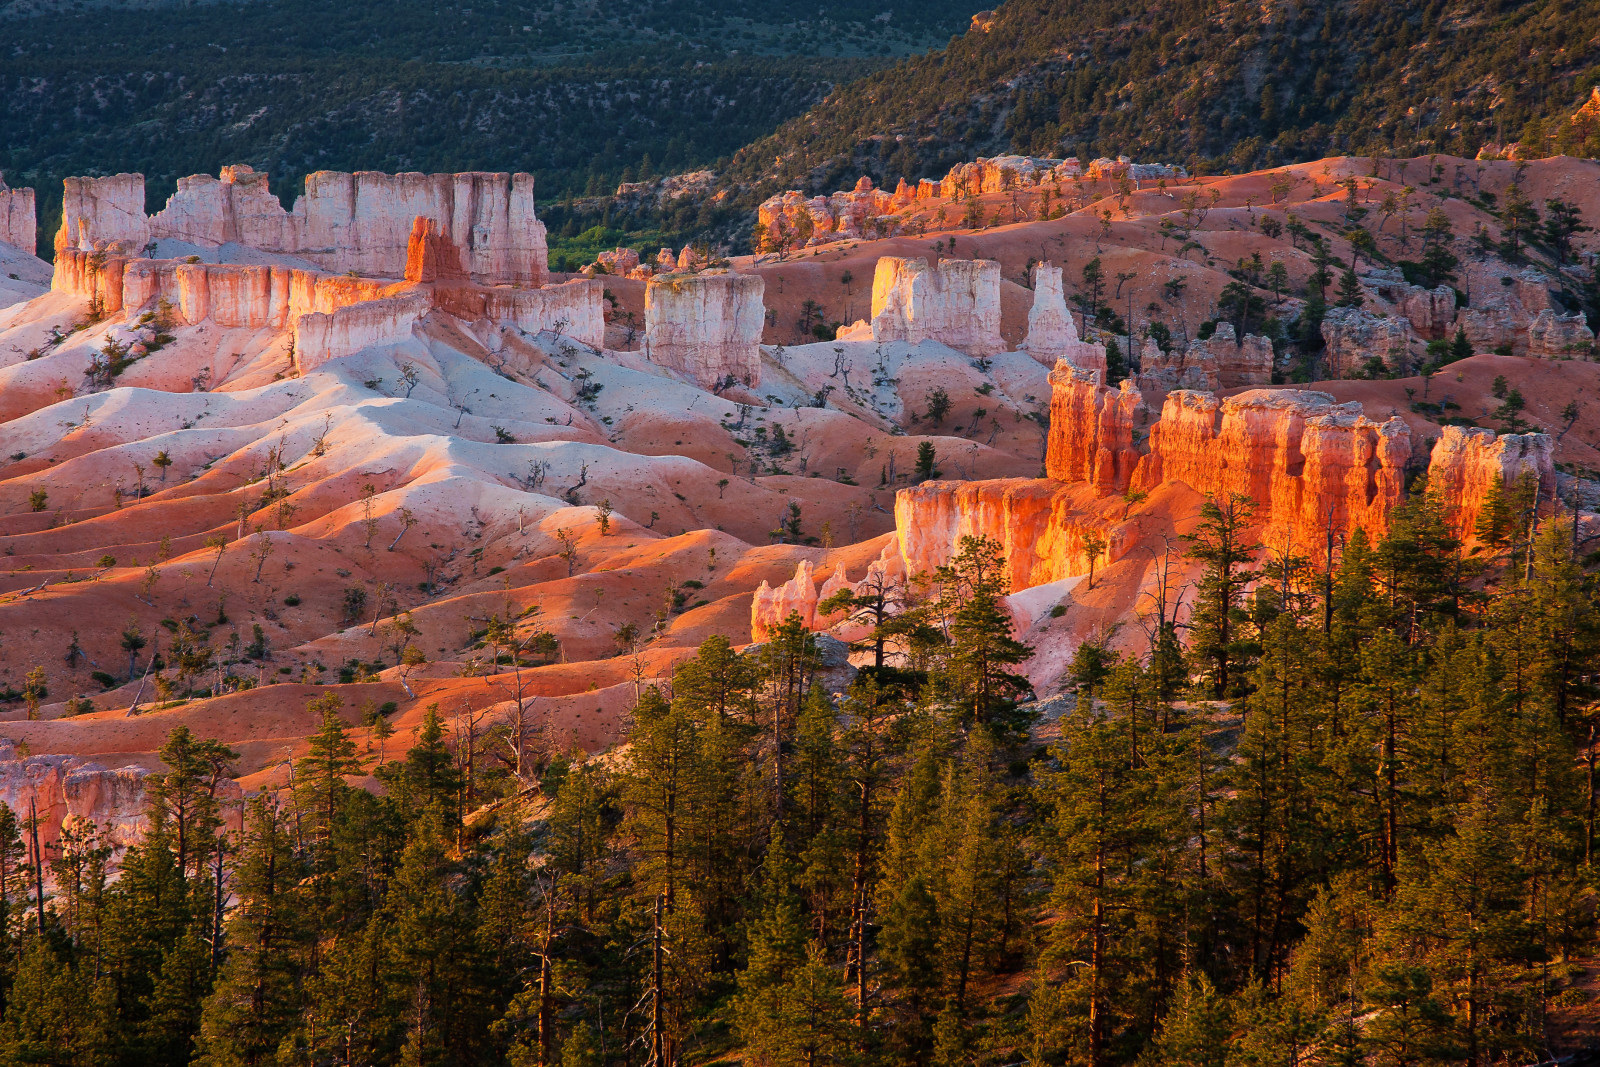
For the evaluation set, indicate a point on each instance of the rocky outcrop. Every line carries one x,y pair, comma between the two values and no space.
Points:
78,796
228,294
260,297
771,607
1468,462
1091,431
358,222
1431,312
706,326
619,261
1052,334
632,196
320,337
1043,526
793,219
1303,459
1221,361
17,220
1355,336
956,303
104,213
1552,335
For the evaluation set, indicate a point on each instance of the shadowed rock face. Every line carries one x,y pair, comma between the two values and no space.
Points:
359,222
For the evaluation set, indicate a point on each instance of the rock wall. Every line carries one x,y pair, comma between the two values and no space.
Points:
1221,361
1052,333
69,793
1091,431
1040,524
795,219
358,222
320,337
956,303
1552,335
105,213
228,294
1303,459
429,256
1467,462
706,326
260,297
18,226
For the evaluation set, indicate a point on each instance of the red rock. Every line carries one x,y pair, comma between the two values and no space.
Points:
1091,431
429,257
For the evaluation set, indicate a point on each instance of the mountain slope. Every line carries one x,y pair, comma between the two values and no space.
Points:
576,93
1232,85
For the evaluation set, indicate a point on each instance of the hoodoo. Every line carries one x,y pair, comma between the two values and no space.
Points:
706,326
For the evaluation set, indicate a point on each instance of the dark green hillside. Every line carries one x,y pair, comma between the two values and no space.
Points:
1212,84
576,93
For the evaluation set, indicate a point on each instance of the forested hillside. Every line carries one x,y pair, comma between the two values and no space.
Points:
581,95
1213,85
1355,823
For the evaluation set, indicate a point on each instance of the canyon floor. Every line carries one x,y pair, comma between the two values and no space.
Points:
273,538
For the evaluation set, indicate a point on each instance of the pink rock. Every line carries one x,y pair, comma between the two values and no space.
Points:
17,222
358,222
1052,335
1467,462
956,303
706,326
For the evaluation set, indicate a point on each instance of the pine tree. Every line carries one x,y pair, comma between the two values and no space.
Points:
1220,543
974,674
258,995
320,785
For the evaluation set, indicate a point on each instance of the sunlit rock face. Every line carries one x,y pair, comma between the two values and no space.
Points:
1469,463
1304,461
360,222
1091,430
706,326
956,302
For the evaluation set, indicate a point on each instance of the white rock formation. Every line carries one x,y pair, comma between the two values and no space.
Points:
99,213
1052,335
344,222
706,326
17,223
956,303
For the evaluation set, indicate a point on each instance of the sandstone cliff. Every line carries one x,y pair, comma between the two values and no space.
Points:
1355,336
1467,462
706,326
1091,431
104,213
956,303
1221,361
344,222
1303,459
17,220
